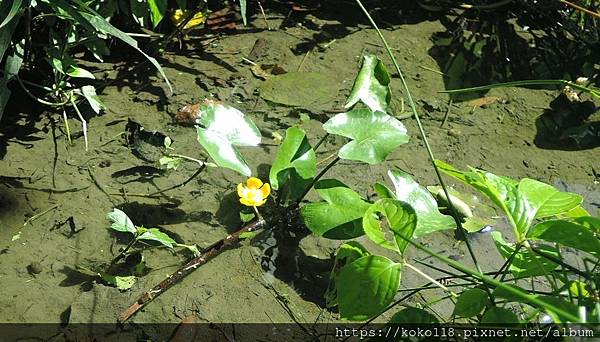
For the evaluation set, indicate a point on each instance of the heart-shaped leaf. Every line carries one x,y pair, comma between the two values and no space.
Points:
371,85
121,222
568,234
429,217
367,286
346,254
295,164
374,134
470,303
401,221
220,129
340,216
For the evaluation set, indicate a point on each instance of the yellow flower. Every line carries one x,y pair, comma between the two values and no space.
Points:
254,193
178,16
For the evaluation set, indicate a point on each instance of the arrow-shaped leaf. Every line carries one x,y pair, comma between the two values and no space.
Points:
340,216
371,85
220,129
295,164
429,217
374,134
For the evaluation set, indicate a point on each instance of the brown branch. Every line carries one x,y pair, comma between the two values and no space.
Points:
582,9
211,252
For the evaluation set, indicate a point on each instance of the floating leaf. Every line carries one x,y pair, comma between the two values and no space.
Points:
401,221
367,286
295,165
525,263
470,303
121,222
222,128
413,316
371,85
430,219
374,134
568,234
340,216
154,234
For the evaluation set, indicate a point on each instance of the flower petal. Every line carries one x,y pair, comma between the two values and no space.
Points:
254,183
258,204
246,202
241,190
265,190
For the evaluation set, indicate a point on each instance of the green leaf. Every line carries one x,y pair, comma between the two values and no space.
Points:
346,254
367,286
401,221
546,200
496,315
561,304
121,222
383,191
154,234
75,71
295,165
568,234
374,134
157,10
170,163
430,219
9,23
243,11
413,316
590,222
222,128
371,85
525,263
470,303
89,93
121,283
94,22
11,13
503,191
340,216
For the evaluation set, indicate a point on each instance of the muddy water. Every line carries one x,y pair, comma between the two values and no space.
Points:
54,196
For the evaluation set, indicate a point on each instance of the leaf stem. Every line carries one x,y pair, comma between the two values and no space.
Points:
460,230
329,166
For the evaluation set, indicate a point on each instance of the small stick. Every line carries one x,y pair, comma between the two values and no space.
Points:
83,124
36,216
182,272
264,15
450,102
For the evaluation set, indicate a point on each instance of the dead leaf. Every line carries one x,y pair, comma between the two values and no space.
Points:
483,101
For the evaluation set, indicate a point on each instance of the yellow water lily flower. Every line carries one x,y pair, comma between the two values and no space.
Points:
178,16
254,193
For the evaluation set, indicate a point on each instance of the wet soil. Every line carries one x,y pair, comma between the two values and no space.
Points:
54,197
